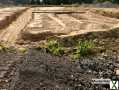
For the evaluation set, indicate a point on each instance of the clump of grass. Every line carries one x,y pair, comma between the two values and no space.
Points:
3,47
83,48
22,50
54,47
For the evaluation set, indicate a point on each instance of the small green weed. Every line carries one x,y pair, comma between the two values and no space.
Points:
54,47
83,48
3,47
22,50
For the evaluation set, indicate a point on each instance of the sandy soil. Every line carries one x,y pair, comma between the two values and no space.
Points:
66,24
63,24
10,34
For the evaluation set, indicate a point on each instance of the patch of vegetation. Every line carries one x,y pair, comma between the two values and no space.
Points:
109,13
83,48
54,47
7,48
3,47
22,50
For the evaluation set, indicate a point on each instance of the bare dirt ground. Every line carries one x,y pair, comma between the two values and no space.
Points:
39,70
60,22
9,34
15,20
66,24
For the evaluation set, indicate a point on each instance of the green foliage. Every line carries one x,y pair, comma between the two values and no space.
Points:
83,48
22,50
3,47
54,47
104,0
60,2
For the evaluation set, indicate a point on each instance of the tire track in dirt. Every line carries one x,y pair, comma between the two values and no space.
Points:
52,16
96,21
45,22
10,34
72,24
42,26
87,22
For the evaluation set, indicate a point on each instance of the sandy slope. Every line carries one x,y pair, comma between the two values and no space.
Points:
10,34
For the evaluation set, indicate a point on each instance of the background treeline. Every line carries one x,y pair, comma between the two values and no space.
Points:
59,2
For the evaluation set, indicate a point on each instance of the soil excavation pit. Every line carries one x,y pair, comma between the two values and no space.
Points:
41,71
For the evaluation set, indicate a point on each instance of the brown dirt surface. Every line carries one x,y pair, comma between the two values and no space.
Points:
64,24
39,70
9,34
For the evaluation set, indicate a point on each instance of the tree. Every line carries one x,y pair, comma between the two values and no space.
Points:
104,1
59,2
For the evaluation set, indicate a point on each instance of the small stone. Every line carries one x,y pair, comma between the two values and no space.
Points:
2,74
6,81
117,72
89,71
57,86
94,72
72,76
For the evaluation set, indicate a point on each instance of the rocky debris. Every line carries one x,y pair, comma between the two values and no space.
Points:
7,68
40,70
2,73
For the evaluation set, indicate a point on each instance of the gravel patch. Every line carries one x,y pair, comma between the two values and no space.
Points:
42,71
